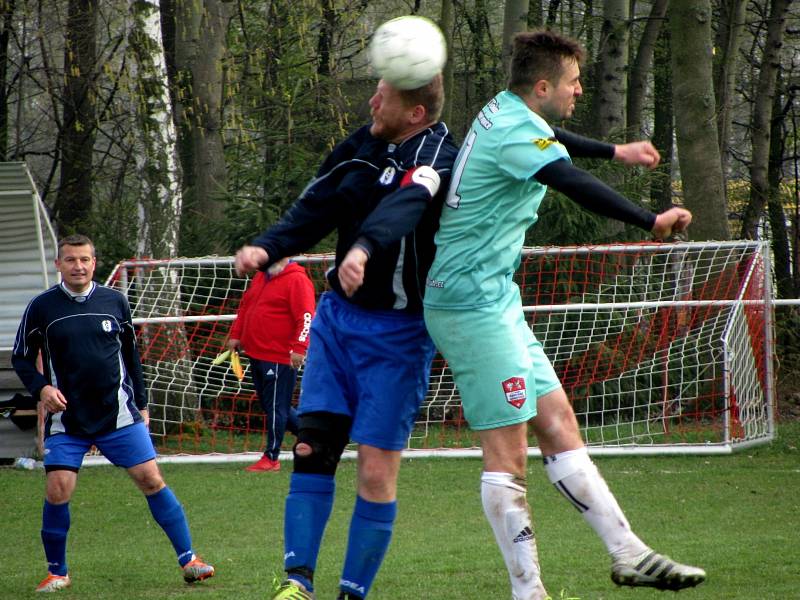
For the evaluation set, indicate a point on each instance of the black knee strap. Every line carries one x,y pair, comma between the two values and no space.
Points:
326,434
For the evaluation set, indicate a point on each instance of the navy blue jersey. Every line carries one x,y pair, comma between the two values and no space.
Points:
89,353
365,190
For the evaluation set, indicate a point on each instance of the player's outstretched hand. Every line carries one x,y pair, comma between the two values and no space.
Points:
637,154
249,259
351,270
671,222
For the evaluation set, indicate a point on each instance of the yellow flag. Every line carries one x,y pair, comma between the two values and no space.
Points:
236,365
221,358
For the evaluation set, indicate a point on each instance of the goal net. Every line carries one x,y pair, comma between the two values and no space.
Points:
662,348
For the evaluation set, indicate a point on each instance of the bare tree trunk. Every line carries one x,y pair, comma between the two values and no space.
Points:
782,263
480,31
273,57
794,244
446,25
199,48
168,27
74,200
325,37
637,87
159,203
515,19
7,17
729,36
535,14
762,115
552,11
23,41
156,162
695,121
589,33
611,77
663,131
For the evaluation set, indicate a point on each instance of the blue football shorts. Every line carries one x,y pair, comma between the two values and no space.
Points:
126,447
498,365
372,366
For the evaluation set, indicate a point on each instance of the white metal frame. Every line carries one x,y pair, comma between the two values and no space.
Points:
727,446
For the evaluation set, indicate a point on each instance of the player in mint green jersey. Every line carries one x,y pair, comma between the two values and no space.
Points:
473,309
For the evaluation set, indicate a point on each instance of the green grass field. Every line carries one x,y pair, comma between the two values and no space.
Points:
736,516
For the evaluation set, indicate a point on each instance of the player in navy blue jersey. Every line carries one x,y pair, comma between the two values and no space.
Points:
93,393
368,364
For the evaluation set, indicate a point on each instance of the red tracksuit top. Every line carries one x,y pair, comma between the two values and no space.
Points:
274,316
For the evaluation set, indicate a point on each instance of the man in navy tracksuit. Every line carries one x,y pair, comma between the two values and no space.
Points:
367,369
93,392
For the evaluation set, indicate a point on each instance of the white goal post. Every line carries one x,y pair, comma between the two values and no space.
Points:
662,348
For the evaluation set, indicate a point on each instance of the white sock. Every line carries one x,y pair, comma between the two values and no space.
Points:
506,508
577,478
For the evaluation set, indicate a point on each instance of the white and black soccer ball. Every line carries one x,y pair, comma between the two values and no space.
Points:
408,51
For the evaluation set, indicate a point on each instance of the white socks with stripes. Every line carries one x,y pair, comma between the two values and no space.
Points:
506,508
577,478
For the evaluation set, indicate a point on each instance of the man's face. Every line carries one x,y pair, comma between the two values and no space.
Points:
390,116
560,101
76,265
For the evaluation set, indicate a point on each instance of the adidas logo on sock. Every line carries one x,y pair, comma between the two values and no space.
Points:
524,535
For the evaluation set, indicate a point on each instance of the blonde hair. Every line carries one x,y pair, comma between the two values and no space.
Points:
430,96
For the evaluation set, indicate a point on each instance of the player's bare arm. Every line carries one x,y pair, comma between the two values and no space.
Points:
249,259
670,222
637,154
351,271
52,399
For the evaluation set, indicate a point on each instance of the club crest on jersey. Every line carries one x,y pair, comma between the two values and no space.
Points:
387,176
106,325
515,391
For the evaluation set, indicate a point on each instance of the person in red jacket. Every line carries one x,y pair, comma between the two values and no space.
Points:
272,328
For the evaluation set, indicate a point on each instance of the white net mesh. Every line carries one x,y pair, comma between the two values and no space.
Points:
657,345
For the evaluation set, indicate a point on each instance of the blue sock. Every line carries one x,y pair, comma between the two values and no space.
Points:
370,533
168,513
55,525
308,507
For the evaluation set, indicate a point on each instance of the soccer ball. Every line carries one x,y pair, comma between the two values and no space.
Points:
408,52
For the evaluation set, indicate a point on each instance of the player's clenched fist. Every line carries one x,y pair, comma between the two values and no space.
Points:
351,271
249,259
637,154
671,222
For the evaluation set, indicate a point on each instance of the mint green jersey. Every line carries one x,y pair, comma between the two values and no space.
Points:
493,199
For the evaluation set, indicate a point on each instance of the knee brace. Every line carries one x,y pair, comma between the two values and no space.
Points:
326,434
